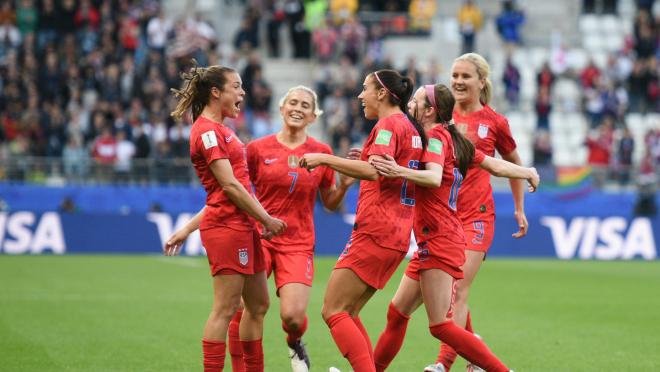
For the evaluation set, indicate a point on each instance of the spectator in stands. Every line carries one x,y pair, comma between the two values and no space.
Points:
421,14
342,10
353,36
542,149
589,75
124,160
104,153
599,143
75,160
509,22
246,39
469,22
274,15
543,108
325,40
511,80
295,17
412,71
625,152
545,78
158,30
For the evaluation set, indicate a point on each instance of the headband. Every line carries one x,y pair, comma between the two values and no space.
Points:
430,94
383,85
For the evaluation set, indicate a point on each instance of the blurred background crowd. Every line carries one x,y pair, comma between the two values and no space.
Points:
84,84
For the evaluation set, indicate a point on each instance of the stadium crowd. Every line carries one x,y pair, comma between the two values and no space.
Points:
87,82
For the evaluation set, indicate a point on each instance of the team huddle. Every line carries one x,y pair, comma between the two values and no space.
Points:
425,168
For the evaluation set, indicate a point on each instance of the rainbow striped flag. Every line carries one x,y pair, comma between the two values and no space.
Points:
569,182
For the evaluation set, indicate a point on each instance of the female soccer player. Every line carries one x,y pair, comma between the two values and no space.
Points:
488,131
287,191
226,222
381,233
437,263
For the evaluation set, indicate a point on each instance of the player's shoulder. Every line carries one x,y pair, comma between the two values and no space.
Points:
314,145
495,116
398,122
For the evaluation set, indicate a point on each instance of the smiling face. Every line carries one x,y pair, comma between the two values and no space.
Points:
298,109
369,97
418,106
231,96
466,85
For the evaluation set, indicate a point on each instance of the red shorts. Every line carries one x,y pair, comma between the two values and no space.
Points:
289,267
437,253
373,263
479,234
231,251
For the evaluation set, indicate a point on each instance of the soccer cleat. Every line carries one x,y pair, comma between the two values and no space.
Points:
334,369
473,368
438,367
299,357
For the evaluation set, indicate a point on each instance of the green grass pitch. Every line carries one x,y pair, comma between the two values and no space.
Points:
146,313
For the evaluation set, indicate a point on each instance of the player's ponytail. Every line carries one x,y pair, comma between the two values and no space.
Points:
444,105
197,88
399,89
483,70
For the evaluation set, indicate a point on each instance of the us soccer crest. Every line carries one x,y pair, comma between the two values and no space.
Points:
243,256
293,161
482,132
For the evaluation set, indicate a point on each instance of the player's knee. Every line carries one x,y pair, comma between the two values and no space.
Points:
258,309
225,310
294,319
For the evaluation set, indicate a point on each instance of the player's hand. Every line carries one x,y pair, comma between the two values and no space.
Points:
346,181
522,224
354,153
274,226
311,161
174,243
534,181
386,166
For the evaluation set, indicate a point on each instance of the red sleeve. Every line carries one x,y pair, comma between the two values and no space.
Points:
435,151
329,174
504,142
384,139
211,146
478,158
253,161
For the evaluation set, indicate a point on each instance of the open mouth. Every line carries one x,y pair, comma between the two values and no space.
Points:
237,104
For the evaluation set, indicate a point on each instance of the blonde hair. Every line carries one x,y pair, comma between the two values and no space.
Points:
197,88
317,110
483,70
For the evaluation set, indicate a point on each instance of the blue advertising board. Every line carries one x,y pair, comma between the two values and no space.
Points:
114,220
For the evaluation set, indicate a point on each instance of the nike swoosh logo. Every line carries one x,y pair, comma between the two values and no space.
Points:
270,161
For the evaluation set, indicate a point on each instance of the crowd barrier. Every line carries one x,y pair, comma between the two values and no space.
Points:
109,219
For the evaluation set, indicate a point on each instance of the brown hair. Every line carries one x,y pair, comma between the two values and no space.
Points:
197,89
399,89
444,107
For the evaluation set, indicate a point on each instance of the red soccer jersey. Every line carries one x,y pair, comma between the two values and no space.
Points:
287,191
488,131
435,213
211,141
385,206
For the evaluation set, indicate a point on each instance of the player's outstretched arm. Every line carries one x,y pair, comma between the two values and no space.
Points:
221,169
501,168
353,168
388,167
175,242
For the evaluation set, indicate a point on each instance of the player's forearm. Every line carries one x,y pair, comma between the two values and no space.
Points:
422,177
242,199
517,186
333,198
353,168
194,222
